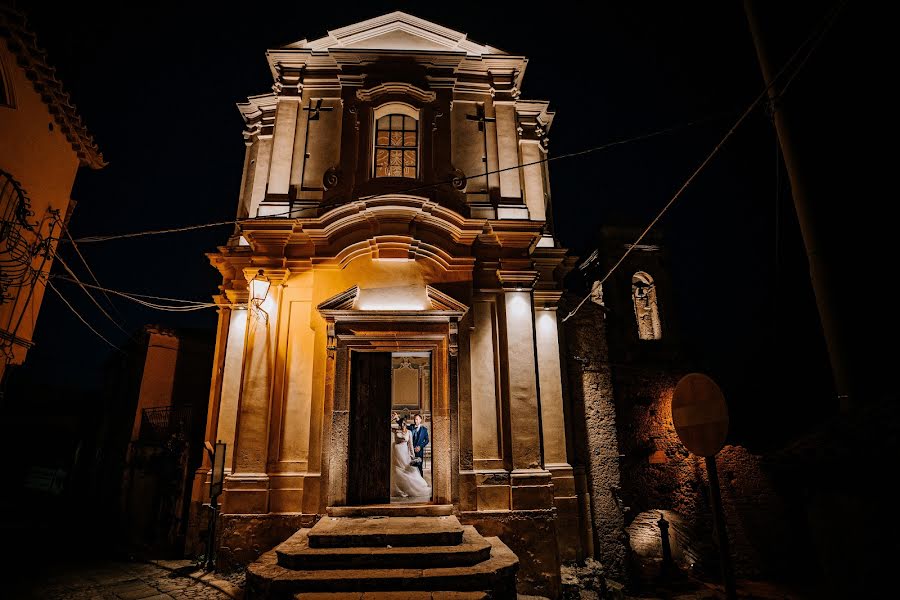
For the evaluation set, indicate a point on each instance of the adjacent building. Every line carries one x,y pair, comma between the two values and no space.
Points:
44,145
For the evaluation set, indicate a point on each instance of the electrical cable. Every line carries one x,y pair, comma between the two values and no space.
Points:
90,271
828,21
89,295
188,305
825,26
80,318
637,138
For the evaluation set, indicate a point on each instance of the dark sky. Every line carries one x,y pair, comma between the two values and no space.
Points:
157,86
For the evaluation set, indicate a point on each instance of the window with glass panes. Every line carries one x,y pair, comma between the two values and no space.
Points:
396,146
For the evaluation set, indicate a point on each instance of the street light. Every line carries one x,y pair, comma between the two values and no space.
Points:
259,288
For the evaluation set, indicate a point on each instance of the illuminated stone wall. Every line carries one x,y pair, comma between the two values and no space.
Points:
445,259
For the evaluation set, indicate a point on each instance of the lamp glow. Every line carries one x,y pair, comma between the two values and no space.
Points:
259,288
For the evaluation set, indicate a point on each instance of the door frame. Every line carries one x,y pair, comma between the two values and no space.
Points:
434,329
425,337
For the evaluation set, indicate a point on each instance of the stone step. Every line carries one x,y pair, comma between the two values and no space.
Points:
391,596
391,510
352,532
496,576
296,553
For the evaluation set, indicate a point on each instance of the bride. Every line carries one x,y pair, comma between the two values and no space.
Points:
406,481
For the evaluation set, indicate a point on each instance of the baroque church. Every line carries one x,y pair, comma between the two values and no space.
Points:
395,258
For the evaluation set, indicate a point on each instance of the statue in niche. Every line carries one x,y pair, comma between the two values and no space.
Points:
643,294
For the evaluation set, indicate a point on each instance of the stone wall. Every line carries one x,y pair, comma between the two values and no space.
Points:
635,464
658,473
532,536
244,538
595,444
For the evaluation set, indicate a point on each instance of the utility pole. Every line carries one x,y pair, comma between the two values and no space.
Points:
808,216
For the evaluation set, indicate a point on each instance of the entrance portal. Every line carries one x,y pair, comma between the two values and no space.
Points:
390,428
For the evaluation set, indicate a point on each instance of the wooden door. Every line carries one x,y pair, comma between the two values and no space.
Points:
369,463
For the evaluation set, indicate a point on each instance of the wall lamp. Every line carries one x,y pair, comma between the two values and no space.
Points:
259,288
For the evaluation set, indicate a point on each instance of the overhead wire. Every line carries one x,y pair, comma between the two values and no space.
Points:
84,261
420,187
824,25
80,318
89,295
187,305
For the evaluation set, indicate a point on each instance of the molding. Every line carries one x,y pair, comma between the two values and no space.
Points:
406,89
513,280
358,33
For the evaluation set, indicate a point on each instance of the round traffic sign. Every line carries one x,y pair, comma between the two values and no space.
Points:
700,414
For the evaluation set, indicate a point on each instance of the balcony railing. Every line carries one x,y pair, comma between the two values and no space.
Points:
160,424
16,253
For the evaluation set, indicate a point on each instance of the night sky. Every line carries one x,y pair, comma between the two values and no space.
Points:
157,86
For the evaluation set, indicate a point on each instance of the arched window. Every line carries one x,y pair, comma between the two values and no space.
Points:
396,141
643,293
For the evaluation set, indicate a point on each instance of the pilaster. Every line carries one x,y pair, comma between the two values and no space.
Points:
529,482
247,486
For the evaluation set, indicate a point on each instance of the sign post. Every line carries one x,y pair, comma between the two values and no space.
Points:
701,421
217,477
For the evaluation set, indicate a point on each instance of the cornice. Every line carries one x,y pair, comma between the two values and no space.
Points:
516,279
392,22
33,60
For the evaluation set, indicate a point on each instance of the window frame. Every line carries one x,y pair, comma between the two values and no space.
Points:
391,109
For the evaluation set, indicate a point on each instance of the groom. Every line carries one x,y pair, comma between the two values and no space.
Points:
419,441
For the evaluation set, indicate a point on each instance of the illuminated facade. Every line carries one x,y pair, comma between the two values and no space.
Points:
44,144
394,198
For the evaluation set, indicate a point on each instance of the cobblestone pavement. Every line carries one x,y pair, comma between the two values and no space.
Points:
126,581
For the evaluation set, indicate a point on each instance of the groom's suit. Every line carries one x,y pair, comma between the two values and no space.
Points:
420,440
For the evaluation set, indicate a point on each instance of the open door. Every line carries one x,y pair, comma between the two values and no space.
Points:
369,462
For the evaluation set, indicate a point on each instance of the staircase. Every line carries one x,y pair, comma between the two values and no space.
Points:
370,554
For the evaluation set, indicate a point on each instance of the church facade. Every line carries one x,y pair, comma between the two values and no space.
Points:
394,253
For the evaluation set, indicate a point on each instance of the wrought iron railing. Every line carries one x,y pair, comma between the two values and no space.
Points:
161,424
16,252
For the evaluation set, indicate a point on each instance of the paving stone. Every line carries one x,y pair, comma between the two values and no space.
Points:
138,593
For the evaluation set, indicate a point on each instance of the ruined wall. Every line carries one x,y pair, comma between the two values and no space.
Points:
658,473
594,434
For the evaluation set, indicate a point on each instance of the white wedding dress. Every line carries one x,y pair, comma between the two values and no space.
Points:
406,482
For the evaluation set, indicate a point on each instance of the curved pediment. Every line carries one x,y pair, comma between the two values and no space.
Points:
417,301
405,89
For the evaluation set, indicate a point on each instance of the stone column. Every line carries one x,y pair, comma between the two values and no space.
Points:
508,153
553,420
231,382
531,487
283,146
533,176
199,491
259,168
247,487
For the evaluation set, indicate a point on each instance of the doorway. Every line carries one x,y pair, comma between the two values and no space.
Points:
411,402
390,433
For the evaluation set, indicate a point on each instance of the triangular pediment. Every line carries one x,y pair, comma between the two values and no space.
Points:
397,31
406,300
